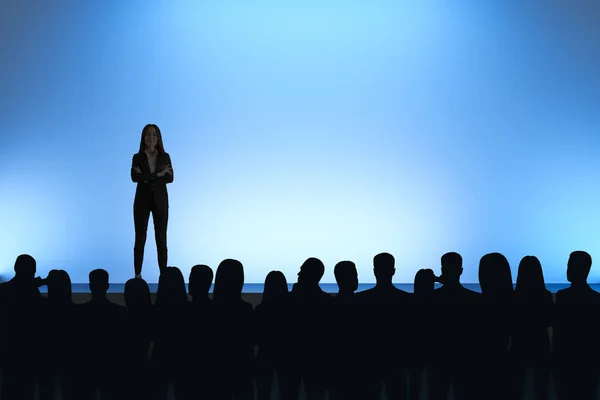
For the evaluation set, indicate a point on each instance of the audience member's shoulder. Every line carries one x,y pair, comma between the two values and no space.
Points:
244,305
562,293
365,295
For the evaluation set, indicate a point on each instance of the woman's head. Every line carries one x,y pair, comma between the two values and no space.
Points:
137,294
59,286
495,277
424,281
530,276
276,288
229,281
171,288
151,139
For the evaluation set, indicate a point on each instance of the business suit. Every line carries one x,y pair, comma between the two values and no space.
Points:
151,196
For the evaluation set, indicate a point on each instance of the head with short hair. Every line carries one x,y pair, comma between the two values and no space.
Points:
311,271
201,277
25,266
384,267
579,266
346,276
452,267
99,282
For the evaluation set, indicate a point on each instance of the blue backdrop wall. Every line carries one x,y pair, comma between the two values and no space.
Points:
335,129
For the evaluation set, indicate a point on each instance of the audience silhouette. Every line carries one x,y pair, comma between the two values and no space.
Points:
533,315
234,335
354,345
455,325
422,338
387,316
271,335
575,338
168,362
137,339
344,376
310,314
200,322
21,300
495,323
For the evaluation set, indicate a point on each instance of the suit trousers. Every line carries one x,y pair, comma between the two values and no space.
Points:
142,208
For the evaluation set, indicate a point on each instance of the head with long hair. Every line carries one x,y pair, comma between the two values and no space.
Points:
151,137
229,281
276,288
495,277
424,282
530,278
137,294
59,286
171,288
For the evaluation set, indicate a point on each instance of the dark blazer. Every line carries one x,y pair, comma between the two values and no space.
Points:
149,184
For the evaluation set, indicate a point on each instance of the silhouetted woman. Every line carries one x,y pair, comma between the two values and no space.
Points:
530,345
151,169
136,349
168,360
496,315
422,340
60,335
270,317
234,344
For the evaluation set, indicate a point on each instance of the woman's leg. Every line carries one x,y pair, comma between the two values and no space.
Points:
141,214
160,217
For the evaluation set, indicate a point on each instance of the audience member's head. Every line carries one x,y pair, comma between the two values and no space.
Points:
424,281
99,282
452,267
384,267
579,266
311,272
276,288
171,288
59,286
229,281
530,277
201,277
25,266
137,295
495,277
346,276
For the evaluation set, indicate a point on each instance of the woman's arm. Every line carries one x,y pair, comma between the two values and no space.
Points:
137,174
166,175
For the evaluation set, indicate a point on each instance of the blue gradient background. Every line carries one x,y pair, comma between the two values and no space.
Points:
335,129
